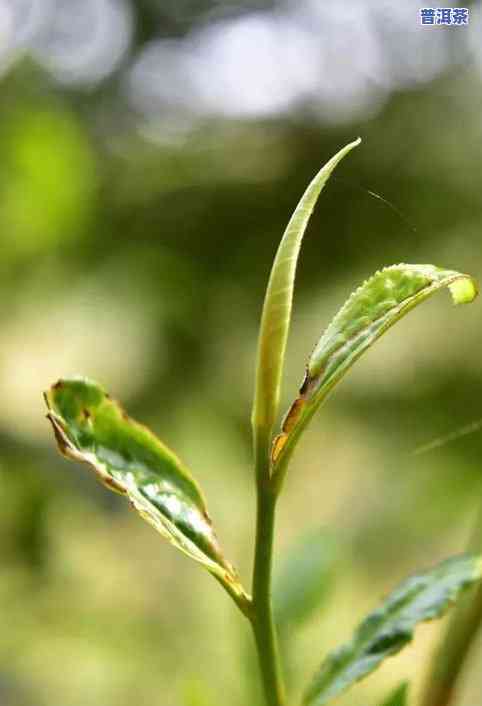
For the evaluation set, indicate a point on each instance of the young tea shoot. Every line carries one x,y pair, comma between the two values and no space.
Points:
129,459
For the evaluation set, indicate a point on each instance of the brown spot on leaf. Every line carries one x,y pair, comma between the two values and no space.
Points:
59,439
293,415
58,385
63,443
289,423
308,385
114,485
278,445
305,384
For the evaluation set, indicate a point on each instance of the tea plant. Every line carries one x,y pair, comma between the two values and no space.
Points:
91,427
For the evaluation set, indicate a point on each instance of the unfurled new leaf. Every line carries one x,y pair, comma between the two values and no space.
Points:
370,311
92,428
276,316
385,631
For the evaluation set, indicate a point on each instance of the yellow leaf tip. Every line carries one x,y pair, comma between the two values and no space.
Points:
463,290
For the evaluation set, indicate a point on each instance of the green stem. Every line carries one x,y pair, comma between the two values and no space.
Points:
458,639
262,618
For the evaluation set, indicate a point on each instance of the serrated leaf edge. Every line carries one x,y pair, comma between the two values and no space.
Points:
307,390
476,575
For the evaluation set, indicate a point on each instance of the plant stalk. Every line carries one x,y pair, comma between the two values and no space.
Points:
262,618
457,641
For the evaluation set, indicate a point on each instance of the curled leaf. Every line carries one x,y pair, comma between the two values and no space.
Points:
370,311
389,628
128,458
276,316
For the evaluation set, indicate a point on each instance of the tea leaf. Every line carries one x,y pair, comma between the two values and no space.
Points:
92,428
276,316
388,629
370,311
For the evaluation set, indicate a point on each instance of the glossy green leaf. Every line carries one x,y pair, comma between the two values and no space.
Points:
370,311
305,579
388,629
276,316
92,428
399,697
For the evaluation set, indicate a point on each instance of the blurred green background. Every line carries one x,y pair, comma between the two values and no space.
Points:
151,153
